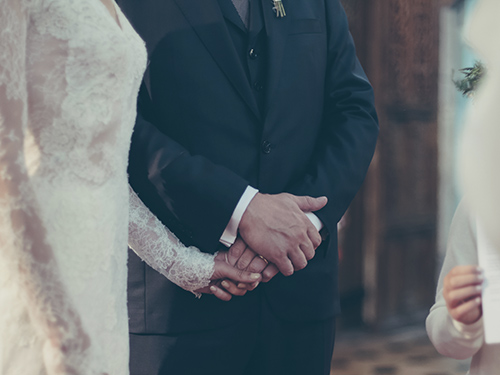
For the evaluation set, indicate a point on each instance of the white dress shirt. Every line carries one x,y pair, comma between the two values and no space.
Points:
231,231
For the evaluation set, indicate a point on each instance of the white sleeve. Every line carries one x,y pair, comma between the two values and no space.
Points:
187,267
24,241
451,338
231,231
318,224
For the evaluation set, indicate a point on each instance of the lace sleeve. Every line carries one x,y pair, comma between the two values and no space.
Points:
187,267
23,237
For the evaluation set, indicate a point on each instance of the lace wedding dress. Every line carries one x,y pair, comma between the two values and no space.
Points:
69,76
479,156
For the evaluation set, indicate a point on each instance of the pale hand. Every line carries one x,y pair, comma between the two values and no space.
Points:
223,271
462,293
244,258
276,227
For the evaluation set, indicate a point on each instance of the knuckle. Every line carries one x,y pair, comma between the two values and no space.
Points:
317,240
240,265
280,258
236,250
237,253
295,232
300,266
301,235
254,268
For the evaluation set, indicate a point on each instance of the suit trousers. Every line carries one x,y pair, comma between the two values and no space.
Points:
263,345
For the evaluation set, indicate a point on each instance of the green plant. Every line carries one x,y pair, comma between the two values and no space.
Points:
472,78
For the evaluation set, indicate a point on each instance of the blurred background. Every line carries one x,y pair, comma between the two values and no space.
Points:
393,238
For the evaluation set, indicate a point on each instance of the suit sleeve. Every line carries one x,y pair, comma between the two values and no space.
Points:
204,194
350,126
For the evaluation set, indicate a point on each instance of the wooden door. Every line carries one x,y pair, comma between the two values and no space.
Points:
391,236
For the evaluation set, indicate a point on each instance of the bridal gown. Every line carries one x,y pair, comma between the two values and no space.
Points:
69,76
480,154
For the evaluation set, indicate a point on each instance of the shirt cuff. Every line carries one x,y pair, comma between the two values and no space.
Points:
318,224
231,231
469,331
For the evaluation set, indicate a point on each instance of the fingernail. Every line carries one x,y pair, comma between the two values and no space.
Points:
479,288
478,300
256,285
241,286
480,277
255,276
213,289
225,284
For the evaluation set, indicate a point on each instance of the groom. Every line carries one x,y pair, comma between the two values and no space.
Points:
245,100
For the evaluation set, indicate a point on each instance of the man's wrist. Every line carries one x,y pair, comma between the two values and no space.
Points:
231,231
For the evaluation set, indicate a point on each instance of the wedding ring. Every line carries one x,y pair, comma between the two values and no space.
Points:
264,259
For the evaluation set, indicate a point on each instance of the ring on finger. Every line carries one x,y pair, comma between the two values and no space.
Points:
264,259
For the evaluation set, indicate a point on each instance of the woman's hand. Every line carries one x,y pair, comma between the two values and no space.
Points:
221,287
242,257
462,293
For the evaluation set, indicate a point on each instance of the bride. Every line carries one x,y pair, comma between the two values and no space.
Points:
69,76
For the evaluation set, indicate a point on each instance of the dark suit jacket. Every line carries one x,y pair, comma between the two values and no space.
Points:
200,139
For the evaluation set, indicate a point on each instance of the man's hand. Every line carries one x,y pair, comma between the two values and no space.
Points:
276,227
462,288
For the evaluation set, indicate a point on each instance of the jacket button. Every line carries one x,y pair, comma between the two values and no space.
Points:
253,54
266,147
258,86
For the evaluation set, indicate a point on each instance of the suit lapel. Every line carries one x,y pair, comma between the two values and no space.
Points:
231,14
205,16
277,34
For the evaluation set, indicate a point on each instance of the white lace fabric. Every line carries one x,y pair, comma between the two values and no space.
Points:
161,249
69,76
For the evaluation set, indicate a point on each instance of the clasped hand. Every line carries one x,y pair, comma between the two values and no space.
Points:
276,227
275,236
